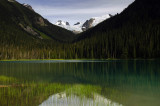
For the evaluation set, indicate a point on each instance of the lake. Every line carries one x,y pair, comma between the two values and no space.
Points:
80,82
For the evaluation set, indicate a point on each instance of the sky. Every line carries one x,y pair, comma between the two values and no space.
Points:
74,11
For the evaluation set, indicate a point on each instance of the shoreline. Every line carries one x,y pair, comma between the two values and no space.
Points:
52,59
69,59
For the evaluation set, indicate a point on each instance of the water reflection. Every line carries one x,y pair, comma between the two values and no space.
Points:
61,99
129,82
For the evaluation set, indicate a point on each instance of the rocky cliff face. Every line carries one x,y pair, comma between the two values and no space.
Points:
78,23
88,24
28,6
40,21
30,31
62,23
67,23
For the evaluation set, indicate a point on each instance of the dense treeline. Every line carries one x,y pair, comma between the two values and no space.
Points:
129,42
135,33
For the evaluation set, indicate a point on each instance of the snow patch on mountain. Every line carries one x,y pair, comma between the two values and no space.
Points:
63,24
82,26
98,20
76,28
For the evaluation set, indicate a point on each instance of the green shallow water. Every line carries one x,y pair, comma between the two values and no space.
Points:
127,82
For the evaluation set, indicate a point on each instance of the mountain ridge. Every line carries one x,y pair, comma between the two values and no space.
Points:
23,15
82,26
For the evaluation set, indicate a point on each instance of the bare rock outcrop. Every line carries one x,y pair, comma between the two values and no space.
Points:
30,31
28,6
40,21
87,24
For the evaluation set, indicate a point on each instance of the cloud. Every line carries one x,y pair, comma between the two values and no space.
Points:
51,11
76,10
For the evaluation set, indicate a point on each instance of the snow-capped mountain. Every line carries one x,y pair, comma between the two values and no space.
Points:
94,21
82,26
76,28
63,24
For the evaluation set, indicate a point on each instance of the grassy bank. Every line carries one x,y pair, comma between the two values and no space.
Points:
13,92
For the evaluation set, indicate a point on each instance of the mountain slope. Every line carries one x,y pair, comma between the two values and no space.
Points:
11,12
24,34
135,33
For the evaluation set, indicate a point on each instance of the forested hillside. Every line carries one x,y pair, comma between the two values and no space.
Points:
135,33
25,34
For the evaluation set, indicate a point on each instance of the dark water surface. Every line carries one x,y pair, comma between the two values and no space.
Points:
130,82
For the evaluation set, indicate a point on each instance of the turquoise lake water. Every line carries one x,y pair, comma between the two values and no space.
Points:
130,82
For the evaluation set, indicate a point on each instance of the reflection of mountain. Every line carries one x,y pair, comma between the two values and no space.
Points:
122,76
79,26
63,99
